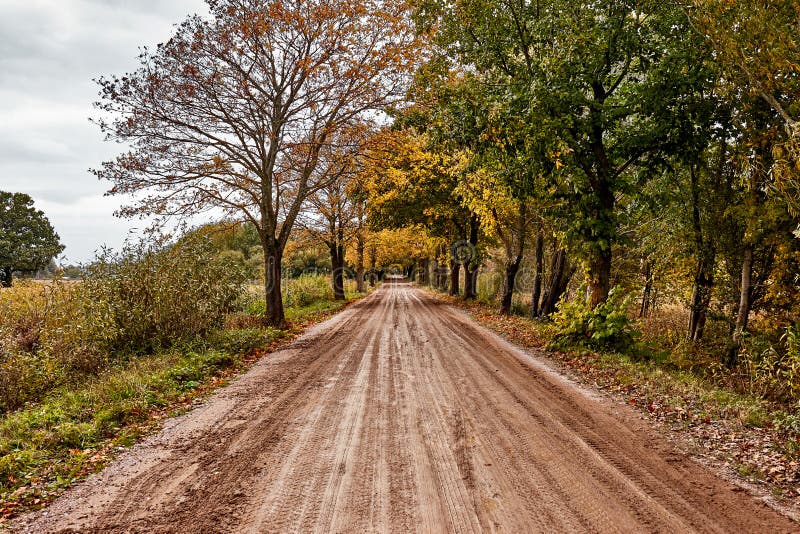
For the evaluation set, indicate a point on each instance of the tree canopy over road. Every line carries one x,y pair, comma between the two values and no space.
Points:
633,143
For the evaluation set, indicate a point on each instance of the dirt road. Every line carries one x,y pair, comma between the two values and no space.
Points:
401,414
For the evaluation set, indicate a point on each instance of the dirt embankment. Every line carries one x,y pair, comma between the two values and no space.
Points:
401,414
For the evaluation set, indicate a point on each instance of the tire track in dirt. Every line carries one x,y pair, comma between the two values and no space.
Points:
402,414
570,482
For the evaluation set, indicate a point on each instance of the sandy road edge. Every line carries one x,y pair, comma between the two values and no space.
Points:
540,359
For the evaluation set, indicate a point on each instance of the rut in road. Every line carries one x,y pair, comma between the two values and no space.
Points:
401,414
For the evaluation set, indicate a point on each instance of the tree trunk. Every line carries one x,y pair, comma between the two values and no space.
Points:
430,272
569,272
470,280
753,202
647,289
515,247
745,298
419,270
556,285
337,266
272,286
6,276
471,267
538,263
372,262
512,268
706,260
599,276
701,293
601,232
359,262
443,270
455,273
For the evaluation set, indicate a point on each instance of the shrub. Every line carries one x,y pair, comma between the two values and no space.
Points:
28,314
306,290
791,341
769,368
147,298
242,341
665,327
488,286
25,377
759,371
144,299
607,326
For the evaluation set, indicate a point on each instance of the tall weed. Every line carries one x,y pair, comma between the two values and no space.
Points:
141,300
147,298
772,369
306,290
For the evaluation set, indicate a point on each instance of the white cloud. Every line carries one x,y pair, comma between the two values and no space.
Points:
50,50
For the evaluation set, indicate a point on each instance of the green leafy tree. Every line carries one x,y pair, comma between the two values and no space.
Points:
600,83
27,239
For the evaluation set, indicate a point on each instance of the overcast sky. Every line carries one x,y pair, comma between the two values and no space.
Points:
49,52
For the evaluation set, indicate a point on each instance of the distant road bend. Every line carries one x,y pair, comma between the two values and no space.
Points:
398,415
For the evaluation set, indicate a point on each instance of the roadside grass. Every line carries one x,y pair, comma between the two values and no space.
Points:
77,428
314,312
757,438
143,300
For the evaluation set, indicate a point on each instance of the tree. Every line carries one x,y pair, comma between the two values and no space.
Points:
333,210
359,200
235,113
739,31
28,241
236,240
410,184
502,165
761,215
402,246
503,215
598,81
756,45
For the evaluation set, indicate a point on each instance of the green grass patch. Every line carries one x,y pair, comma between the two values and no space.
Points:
316,311
76,428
